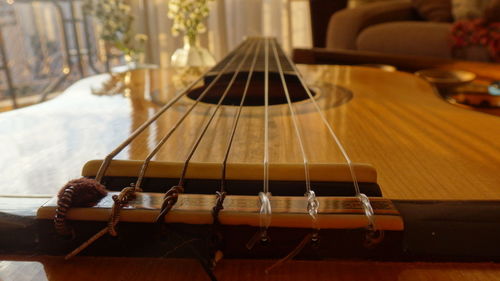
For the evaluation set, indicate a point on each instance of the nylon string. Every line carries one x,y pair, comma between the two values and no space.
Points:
107,160
207,124
236,117
177,124
365,202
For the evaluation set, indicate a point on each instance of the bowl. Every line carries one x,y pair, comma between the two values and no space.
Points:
442,78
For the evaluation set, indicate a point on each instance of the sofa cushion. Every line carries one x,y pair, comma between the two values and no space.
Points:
407,38
434,10
345,25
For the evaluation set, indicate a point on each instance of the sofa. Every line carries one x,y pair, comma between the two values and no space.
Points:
395,27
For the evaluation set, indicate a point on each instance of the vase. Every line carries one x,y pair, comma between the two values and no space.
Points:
192,54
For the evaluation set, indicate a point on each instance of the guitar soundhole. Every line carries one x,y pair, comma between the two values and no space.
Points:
255,93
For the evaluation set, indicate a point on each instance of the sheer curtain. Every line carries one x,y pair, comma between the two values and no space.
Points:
230,21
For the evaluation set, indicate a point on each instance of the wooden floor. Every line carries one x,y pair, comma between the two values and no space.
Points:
84,269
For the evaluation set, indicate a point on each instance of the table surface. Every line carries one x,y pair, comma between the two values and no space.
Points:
86,268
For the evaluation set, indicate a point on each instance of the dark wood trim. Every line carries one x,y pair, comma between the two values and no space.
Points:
435,230
451,230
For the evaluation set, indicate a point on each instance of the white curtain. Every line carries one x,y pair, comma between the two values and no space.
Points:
230,21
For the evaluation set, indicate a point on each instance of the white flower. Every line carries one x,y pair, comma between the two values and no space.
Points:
188,15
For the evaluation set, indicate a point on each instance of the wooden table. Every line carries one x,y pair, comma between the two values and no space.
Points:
86,268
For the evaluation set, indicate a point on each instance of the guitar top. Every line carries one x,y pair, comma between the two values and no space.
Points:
420,146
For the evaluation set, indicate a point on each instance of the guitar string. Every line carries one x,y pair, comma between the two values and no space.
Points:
221,194
207,125
265,211
266,187
266,117
236,118
327,124
312,201
365,202
107,160
295,122
127,193
265,203
171,196
157,148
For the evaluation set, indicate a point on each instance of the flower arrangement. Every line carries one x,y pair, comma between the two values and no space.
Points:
188,16
116,22
477,32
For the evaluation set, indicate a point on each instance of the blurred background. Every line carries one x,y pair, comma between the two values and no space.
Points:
46,45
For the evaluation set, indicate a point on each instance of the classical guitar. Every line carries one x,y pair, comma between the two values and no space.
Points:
255,158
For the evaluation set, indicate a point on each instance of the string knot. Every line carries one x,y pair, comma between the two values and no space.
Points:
312,204
219,205
120,200
169,201
216,243
373,234
264,221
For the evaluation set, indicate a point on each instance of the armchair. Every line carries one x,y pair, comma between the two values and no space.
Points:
393,27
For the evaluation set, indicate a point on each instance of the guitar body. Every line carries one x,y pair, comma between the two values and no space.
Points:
421,147
434,161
